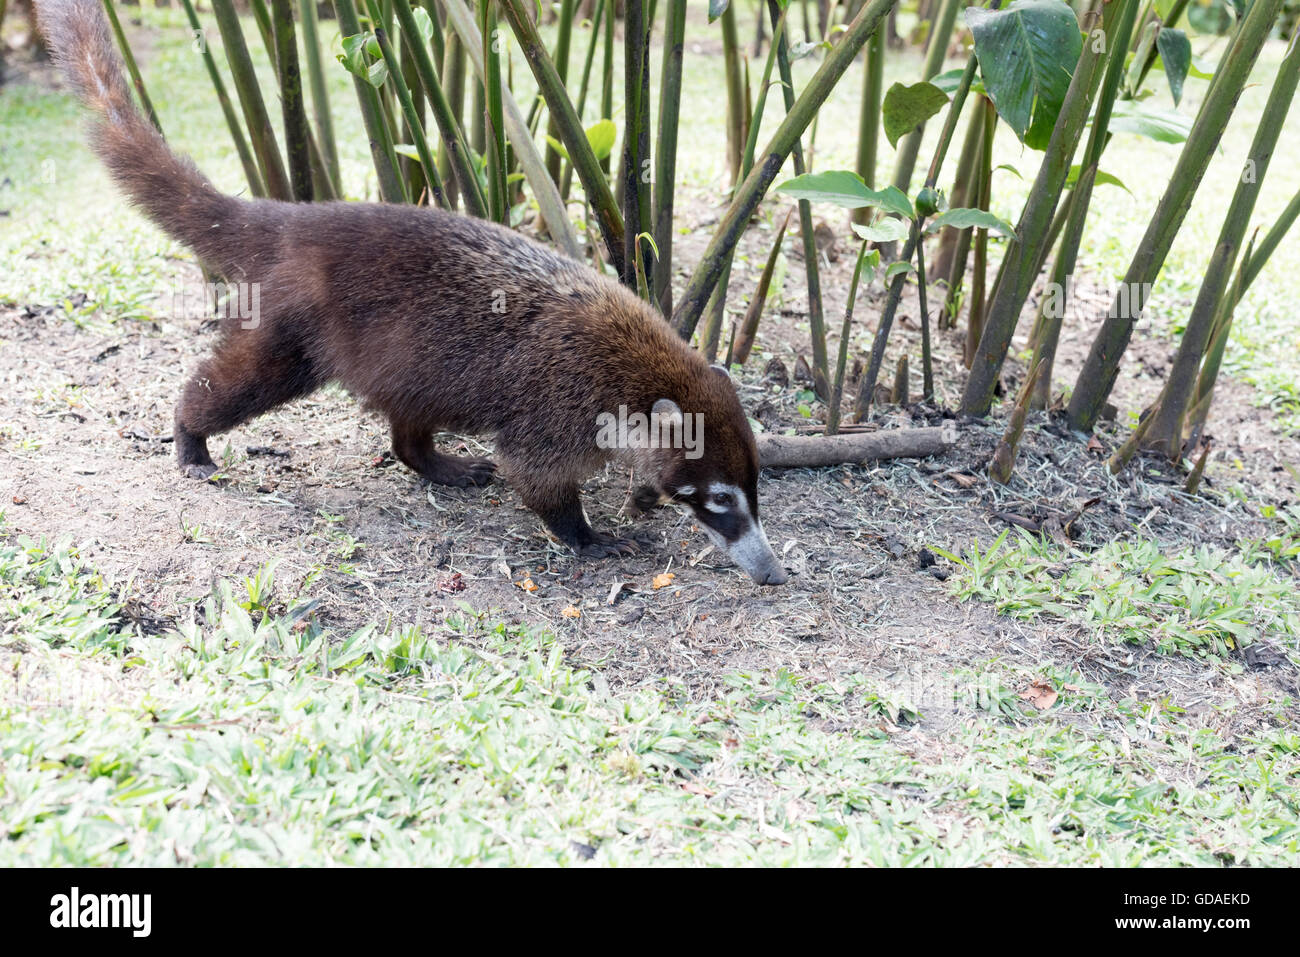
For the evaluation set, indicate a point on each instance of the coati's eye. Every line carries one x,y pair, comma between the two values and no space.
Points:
722,499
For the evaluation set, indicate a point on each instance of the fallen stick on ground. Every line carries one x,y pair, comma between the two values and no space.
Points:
813,451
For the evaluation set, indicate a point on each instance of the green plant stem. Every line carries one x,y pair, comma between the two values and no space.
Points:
842,357
910,145
293,107
530,160
1097,376
807,231
131,68
319,93
246,159
571,131
873,82
260,132
670,95
750,193
1166,432
445,112
428,166
1022,253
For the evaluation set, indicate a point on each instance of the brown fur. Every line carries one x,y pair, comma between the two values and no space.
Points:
440,322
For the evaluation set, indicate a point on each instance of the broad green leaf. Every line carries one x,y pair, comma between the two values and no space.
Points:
1176,55
885,231
353,56
558,147
1027,54
377,73
949,80
870,264
1201,68
846,188
1101,179
906,107
407,150
1163,125
896,268
805,48
422,23
601,136
717,8
963,218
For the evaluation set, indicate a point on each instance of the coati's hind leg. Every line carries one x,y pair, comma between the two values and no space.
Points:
414,446
242,379
561,510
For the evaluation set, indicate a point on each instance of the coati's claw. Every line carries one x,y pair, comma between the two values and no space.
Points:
199,472
607,546
461,472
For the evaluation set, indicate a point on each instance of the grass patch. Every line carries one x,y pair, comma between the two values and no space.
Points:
1198,602
245,734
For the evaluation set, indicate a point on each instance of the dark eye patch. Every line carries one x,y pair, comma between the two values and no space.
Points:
729,524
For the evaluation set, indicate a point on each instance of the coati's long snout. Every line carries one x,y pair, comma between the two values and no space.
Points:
439,322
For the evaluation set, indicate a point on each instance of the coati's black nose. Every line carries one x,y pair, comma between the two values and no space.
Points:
772,576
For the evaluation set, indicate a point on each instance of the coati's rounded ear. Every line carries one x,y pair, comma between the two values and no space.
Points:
667,409
645,498
722,371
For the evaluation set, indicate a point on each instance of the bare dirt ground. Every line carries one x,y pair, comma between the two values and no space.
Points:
85,445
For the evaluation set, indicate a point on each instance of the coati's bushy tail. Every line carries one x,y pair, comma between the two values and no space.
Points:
168,188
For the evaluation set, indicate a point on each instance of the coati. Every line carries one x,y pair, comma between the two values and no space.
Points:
438,321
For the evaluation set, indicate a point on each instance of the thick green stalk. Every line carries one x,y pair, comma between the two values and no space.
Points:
1166,432
391,187
246,160
980,239
572,134
1265,247
735,92
415,177
867,384
428,166
811,255
530,160
607,79
445,113
564,34
842,357
873,84
750,193
710,332
250,98
319,93
131,68
292,105
1049,331
867,387
567,181
954,244
1022,255
1097,377
636,140
494,116
910,144
670,96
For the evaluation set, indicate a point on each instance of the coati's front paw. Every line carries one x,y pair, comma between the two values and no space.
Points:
460,472
199,472
599,545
